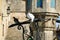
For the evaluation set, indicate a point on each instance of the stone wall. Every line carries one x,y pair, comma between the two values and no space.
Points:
18,10
13,33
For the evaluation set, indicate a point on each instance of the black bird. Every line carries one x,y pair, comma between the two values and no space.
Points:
16,20
25,22
18,23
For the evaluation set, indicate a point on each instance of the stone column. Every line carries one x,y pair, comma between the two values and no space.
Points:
47,27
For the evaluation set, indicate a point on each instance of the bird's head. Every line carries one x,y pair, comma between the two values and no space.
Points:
14,17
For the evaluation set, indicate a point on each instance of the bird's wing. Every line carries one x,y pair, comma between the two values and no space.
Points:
31,16
28,16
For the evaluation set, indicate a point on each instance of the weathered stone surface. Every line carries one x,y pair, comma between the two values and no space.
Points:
48,35
18,9
17,5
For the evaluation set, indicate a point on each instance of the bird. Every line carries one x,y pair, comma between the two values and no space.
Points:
16,23
16,20
30,16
